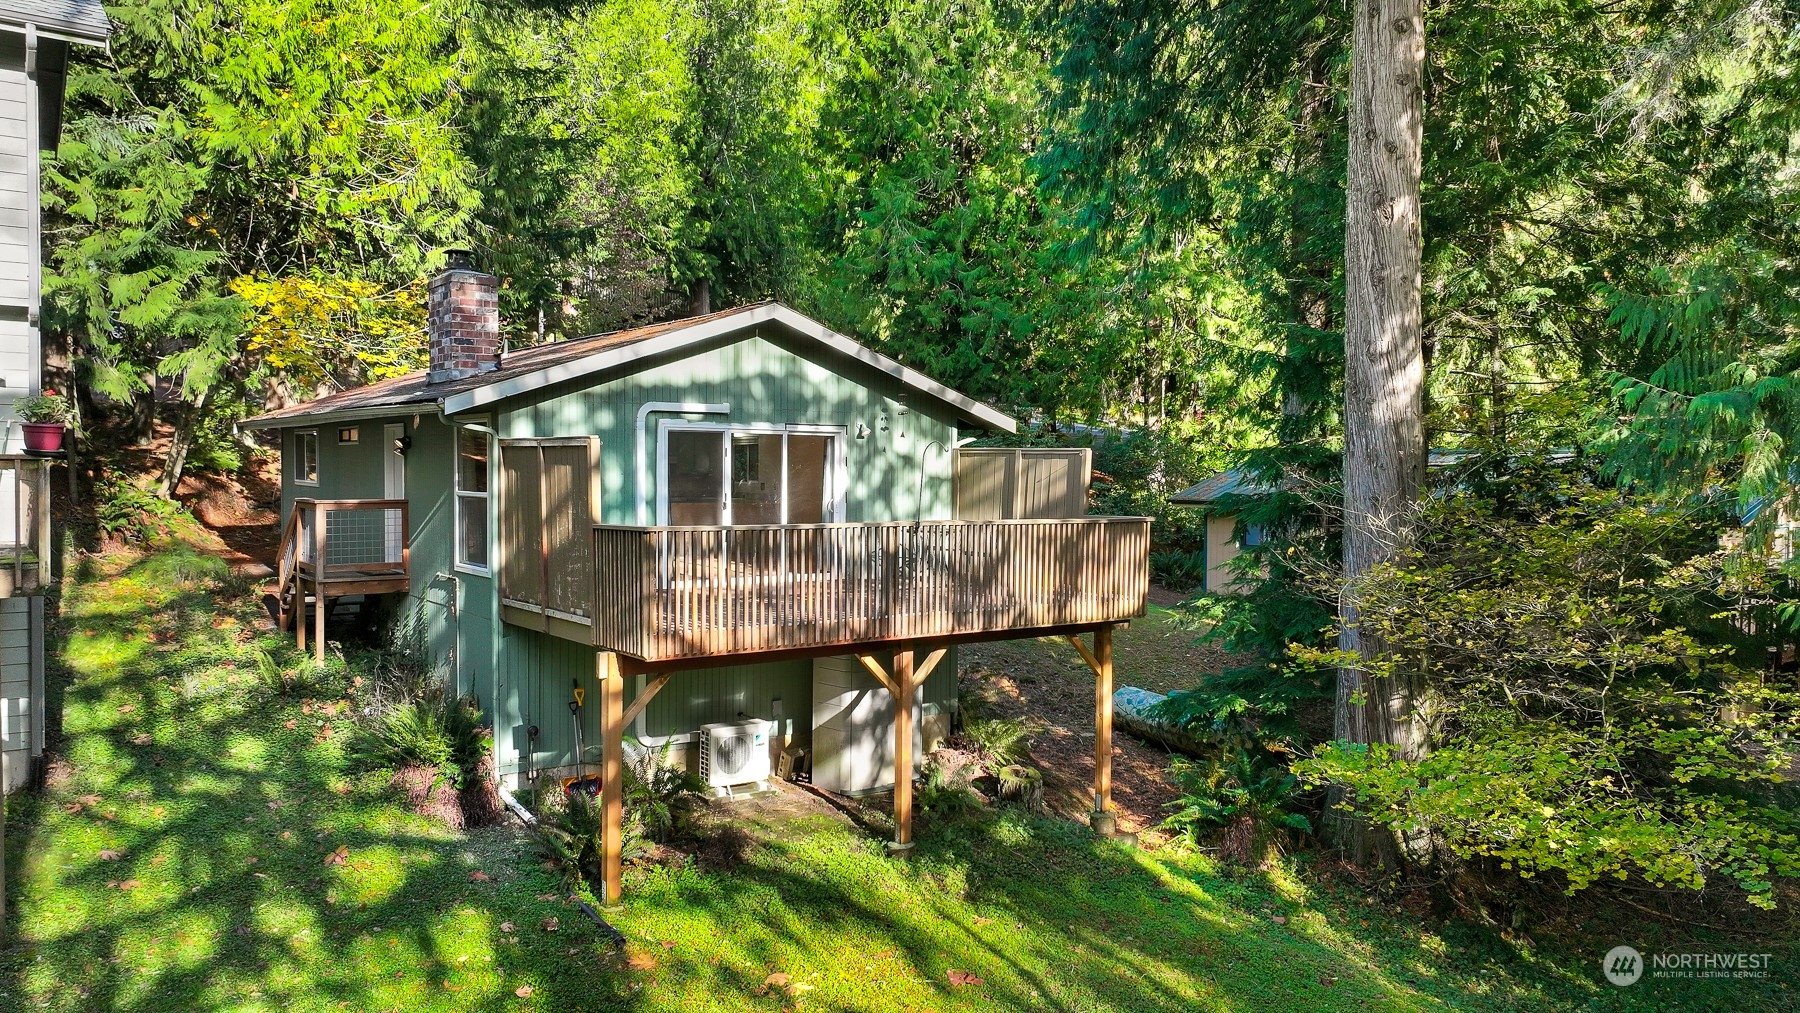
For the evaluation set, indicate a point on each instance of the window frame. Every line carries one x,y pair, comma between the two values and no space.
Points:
353,432
458,494
836,466
300,438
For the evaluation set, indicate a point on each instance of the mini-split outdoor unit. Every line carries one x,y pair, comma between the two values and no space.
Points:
733,753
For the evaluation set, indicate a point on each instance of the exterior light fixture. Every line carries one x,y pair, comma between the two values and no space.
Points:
402,444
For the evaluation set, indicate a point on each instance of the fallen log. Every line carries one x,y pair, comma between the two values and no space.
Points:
1130,707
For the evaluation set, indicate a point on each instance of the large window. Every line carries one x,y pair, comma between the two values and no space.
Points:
723,474
306,458
472,452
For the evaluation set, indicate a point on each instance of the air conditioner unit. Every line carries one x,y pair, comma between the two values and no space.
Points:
734,753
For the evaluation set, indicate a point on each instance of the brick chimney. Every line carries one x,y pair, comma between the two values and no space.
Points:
462,316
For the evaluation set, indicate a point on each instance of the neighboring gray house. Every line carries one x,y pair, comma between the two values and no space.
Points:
35,36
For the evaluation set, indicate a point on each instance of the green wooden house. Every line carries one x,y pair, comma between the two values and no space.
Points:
730,537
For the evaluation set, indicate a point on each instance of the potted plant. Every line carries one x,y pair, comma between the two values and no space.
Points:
46,416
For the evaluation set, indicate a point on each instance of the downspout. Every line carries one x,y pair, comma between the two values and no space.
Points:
643,419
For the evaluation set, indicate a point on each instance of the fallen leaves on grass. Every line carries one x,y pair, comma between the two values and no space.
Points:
143,739
339,856
963,978
479,877
110,855
124,884
550,924
784,983
524,991
640,961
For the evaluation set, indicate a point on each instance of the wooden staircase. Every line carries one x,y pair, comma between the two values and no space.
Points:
331,550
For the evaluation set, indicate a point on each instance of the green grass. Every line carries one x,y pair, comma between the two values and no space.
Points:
181,864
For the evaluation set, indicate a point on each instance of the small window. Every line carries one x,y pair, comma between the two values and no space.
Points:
306,458
350,434
1253,535
472,446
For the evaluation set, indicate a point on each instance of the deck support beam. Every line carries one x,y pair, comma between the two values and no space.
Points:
642,700
903,748
319,558
1100,659
612,774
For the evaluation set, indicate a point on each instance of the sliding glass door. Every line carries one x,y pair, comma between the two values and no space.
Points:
741,475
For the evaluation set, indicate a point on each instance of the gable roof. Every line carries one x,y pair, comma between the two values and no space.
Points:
69,20
542,366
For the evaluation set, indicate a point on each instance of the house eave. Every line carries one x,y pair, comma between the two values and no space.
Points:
675,341
304,420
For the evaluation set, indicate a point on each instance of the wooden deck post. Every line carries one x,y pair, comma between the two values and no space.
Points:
612,774
903,748
319,515
1102,819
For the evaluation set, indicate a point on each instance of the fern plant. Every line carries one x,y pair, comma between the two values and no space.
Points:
1240,792
998,741
437,730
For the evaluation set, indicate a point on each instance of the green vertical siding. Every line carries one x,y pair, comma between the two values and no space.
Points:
765,380
900,470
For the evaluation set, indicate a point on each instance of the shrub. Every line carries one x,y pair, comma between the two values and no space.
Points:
131,511
1242,794
948,795
997,740
659,797
1578,658
570,838
436,730
570,826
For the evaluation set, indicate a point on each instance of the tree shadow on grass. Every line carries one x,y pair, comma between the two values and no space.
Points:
210,846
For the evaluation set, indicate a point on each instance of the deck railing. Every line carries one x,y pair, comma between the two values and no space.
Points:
664,593
350,536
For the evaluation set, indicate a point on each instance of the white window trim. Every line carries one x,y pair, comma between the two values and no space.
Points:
837,470
457,496
318,465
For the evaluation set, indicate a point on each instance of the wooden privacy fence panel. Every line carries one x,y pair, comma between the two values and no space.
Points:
548,505
681,592
1017,483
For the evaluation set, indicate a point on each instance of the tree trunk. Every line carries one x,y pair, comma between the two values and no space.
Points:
143,413
181,441
1384,371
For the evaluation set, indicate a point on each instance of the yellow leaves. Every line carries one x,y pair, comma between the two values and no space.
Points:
317,328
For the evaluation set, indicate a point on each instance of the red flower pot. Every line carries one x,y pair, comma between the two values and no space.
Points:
43,436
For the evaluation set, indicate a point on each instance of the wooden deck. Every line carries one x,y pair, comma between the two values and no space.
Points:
334,548
664,594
